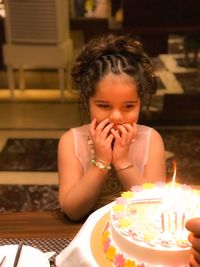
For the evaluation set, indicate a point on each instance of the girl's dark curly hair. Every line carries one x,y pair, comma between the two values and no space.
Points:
115,54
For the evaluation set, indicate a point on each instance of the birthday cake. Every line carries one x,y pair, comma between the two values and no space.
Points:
146,226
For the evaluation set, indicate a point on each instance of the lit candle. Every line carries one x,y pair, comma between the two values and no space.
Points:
169,221
175,221
183,221
172,219
163,221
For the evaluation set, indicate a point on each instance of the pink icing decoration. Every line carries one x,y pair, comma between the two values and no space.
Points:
160,184
133,211
106,245
186,187
118,216
119,260
136,188
121,200
139,188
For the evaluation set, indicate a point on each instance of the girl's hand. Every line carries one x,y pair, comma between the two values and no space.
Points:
193,225
102,138
124,135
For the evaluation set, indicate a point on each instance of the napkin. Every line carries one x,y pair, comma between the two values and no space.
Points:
29,257
78,253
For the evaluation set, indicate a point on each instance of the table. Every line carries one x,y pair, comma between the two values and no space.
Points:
52,231
37,224
47,231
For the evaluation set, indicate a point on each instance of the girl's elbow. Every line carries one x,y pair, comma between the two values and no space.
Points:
71,213
73,216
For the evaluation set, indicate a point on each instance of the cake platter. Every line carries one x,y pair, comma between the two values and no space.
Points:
95,242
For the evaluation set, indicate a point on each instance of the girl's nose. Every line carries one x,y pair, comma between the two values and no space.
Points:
116,116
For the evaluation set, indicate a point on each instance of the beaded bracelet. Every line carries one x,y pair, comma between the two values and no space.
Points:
125,167
101,165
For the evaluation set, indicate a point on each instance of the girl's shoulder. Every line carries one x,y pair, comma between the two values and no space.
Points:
146,130
82,130
74,133
143,129
65,138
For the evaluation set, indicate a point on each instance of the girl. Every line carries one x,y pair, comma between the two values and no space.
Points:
115,79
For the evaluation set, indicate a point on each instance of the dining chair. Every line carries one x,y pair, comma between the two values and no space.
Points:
37,37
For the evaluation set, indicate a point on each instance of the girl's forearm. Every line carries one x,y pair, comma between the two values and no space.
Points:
83,196
129,176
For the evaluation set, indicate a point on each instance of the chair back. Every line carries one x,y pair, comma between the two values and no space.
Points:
37,21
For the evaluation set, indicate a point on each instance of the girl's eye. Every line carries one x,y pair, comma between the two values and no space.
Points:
128,106
104,106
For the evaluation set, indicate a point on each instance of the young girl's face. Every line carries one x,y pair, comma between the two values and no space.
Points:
116,99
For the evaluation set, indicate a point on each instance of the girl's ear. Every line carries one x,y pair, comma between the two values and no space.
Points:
84,113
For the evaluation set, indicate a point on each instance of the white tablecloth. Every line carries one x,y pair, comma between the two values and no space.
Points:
78,252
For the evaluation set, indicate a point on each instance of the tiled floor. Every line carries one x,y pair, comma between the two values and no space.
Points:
35,120
38,190
22,177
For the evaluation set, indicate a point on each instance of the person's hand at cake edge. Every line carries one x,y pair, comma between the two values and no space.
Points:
193,225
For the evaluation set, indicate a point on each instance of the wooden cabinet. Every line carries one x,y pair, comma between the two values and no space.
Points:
154,20
2,40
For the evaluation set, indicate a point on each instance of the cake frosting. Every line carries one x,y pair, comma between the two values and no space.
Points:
146,226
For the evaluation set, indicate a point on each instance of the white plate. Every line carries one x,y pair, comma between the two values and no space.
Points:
29,257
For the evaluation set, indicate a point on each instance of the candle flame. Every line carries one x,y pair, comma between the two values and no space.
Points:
174,175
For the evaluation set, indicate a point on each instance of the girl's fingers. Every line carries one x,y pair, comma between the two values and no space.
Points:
127,132
131,128
109,139
102,125
92,126
98,130
115,133
103,129
107,129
